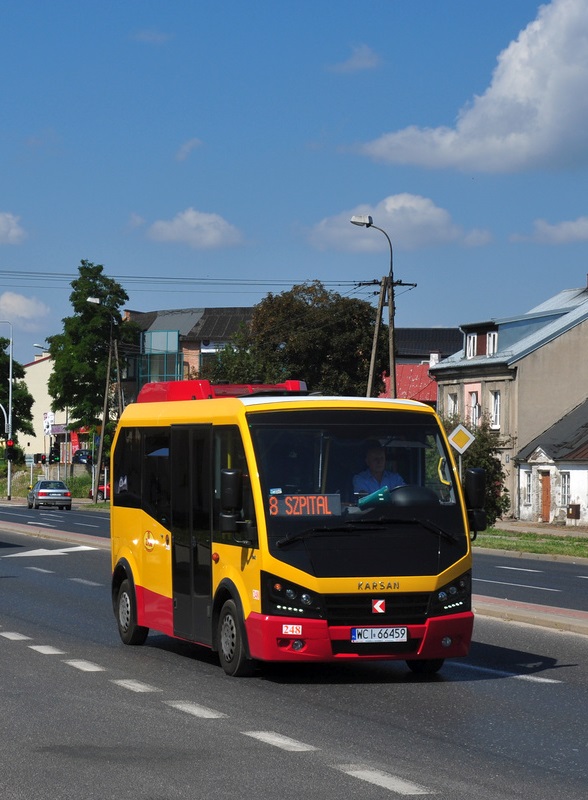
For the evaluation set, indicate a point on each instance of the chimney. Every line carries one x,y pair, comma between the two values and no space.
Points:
434,358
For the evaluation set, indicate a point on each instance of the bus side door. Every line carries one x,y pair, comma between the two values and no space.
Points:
191,503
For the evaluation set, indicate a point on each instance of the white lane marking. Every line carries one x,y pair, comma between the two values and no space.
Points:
136,686
520,585
385,781
84,581
502,674
582,576
520,569
194,709
277,740
44,552
85,666
13,636
85,525
47,650
40,569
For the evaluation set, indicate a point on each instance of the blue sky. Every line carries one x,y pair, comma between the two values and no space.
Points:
209,153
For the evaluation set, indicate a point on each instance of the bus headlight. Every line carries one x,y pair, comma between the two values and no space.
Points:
283,598
452,598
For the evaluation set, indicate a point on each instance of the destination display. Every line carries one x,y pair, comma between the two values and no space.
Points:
304,505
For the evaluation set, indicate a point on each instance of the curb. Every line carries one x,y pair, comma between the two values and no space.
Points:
569,620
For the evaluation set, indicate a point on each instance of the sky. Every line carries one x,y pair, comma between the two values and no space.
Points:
207,154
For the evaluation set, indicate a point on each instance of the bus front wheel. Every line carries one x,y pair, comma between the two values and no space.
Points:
425,666
231,643
126,616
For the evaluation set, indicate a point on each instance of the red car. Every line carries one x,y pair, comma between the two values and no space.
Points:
100,493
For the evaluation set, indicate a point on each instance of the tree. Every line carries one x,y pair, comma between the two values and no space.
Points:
81,353
307,333
484,452
22,400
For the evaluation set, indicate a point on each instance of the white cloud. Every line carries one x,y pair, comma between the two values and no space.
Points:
566,232
135,221
362,58
199,230
186,148
25,313
533,114
411,221
11,231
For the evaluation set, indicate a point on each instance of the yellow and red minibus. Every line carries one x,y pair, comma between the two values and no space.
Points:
236,524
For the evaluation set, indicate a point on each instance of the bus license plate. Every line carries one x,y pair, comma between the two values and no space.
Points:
370,635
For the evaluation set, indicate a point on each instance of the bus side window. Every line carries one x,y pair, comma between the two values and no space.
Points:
230,454
156,492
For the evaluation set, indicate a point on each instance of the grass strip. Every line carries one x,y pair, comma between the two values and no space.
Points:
550,544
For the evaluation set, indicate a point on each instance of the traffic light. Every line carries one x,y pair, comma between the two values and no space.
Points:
10,450
54,454
43,458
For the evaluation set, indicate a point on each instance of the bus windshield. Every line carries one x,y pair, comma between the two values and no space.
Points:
365,491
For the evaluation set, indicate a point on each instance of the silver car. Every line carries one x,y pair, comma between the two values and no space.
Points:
49,493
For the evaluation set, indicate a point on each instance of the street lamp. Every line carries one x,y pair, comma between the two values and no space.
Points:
96,482
387,286
9,417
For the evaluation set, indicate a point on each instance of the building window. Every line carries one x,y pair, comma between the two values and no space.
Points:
452,405
471,342
474,409
491,343
527,499
495,410
565,488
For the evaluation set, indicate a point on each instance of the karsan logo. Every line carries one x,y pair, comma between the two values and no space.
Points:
378,586
378,606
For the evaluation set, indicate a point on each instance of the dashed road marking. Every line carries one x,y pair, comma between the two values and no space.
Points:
136,686
194,709
277,740
46,650
503,674
85,666
84,581
382,779
13,636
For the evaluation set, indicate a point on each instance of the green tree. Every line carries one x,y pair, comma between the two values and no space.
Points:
22,400
80,353
307,333
484,452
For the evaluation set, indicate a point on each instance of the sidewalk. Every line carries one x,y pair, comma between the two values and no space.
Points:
558,529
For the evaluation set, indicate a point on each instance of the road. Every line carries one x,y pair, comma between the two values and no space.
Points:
91,718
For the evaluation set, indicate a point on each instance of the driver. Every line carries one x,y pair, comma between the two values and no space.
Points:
376,476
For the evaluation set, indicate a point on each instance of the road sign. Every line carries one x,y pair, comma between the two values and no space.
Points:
460,439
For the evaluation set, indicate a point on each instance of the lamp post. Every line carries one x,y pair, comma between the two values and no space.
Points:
96,481
9,417
387,287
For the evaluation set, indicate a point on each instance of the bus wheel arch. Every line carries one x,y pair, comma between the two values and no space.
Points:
230,639
124,603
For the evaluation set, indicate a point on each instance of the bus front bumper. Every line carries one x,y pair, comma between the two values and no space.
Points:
287,639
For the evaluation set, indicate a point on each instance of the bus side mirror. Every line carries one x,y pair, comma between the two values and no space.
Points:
231,497
475,487
475,495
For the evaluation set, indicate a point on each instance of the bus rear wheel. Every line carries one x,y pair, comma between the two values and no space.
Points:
126,616
232,652
425,666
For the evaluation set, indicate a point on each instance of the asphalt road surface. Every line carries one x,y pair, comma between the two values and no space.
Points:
86,717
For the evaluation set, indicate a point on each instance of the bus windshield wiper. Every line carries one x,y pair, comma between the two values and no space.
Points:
347,528
424,523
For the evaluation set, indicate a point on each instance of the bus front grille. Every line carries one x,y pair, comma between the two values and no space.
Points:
397,609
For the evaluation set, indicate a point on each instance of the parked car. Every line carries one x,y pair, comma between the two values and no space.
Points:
49,493
101,493
82,456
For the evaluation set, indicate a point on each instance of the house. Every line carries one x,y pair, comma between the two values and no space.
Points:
523,372
176,343
417,349
553,471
